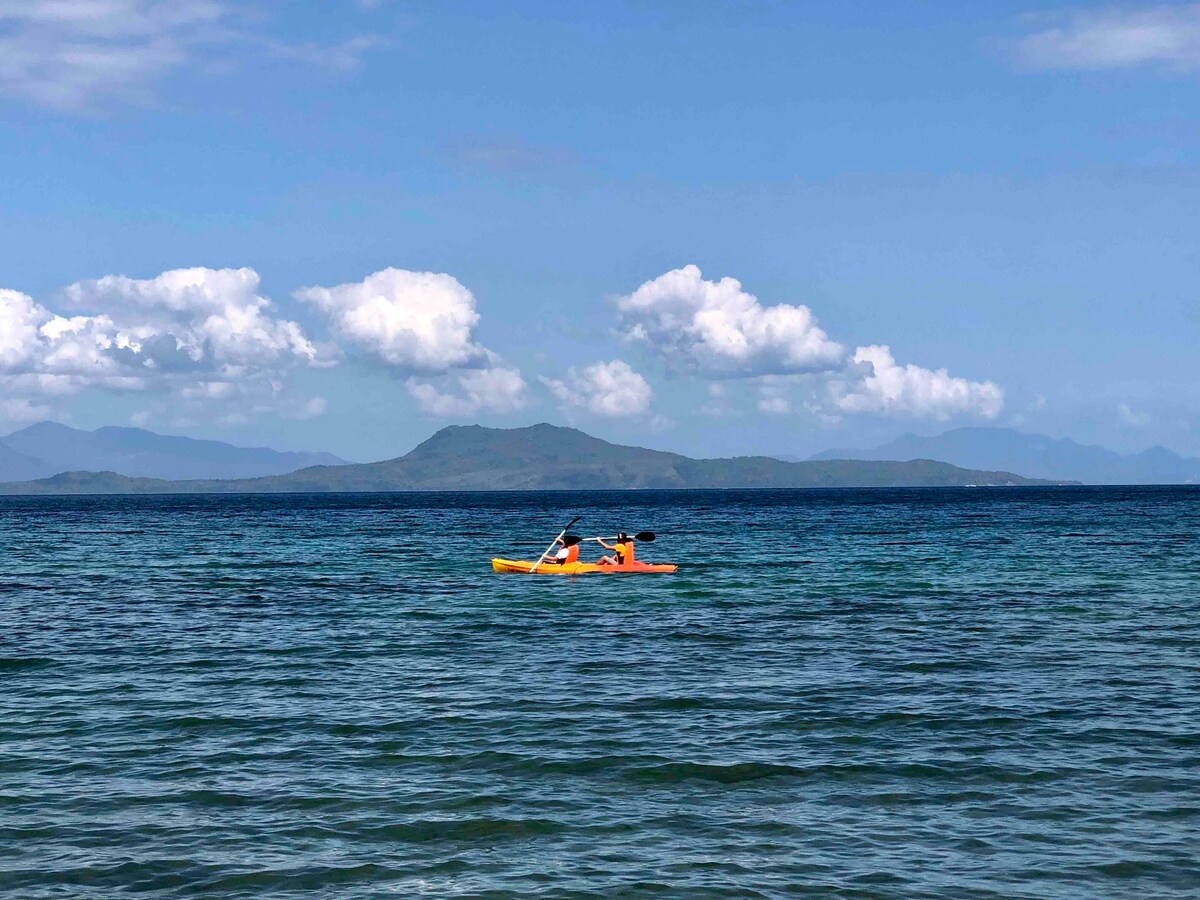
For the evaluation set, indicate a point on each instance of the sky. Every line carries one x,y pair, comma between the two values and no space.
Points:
714,228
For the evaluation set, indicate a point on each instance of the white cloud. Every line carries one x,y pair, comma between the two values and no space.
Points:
210,390
312,408
201,336
415,321
20,319
20,409
43,353
232,404
722,330
603,388
68,53
343,56
208,341
1109,38
1131,417
74,55
775,406
910,390
496,390
214,316
774,390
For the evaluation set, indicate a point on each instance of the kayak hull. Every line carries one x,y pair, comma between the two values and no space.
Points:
523,567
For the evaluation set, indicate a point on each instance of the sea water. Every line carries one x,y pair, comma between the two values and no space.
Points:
888,693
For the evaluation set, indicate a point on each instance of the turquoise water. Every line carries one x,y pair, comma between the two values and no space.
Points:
923,693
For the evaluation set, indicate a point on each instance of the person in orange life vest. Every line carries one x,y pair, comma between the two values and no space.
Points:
567,553
622,551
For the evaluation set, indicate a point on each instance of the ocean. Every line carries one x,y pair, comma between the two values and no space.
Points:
885,693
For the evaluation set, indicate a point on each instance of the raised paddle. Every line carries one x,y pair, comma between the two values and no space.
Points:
534,567
645,537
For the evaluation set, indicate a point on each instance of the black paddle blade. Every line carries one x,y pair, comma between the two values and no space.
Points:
570,540
645,536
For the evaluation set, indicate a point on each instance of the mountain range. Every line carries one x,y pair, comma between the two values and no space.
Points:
49,448
541,457
1034,455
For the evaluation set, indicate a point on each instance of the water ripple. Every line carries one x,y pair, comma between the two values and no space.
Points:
924,693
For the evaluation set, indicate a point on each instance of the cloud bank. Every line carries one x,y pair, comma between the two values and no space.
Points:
208,340
207,343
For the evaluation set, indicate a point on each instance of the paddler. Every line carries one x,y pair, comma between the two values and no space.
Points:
622,551
567,553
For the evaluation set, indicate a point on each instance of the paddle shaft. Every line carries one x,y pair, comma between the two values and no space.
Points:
534,567
644,536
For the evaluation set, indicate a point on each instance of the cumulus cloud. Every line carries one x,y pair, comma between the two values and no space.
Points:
893,389
725,332
722,330
496,390
604,389
415,321
1107,38
209,342
198,335
212,316
45,353
20,319
422,323
209,339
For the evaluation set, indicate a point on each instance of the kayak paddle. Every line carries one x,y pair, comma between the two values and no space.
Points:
534,567
645,537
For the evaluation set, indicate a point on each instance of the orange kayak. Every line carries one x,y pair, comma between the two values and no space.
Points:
523,566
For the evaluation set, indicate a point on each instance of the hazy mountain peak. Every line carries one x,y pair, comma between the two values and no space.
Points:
47,448
1036,455
17,466
45,428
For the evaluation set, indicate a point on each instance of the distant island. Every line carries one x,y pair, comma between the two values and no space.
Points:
540,457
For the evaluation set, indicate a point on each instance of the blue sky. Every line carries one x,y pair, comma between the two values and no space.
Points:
691,226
